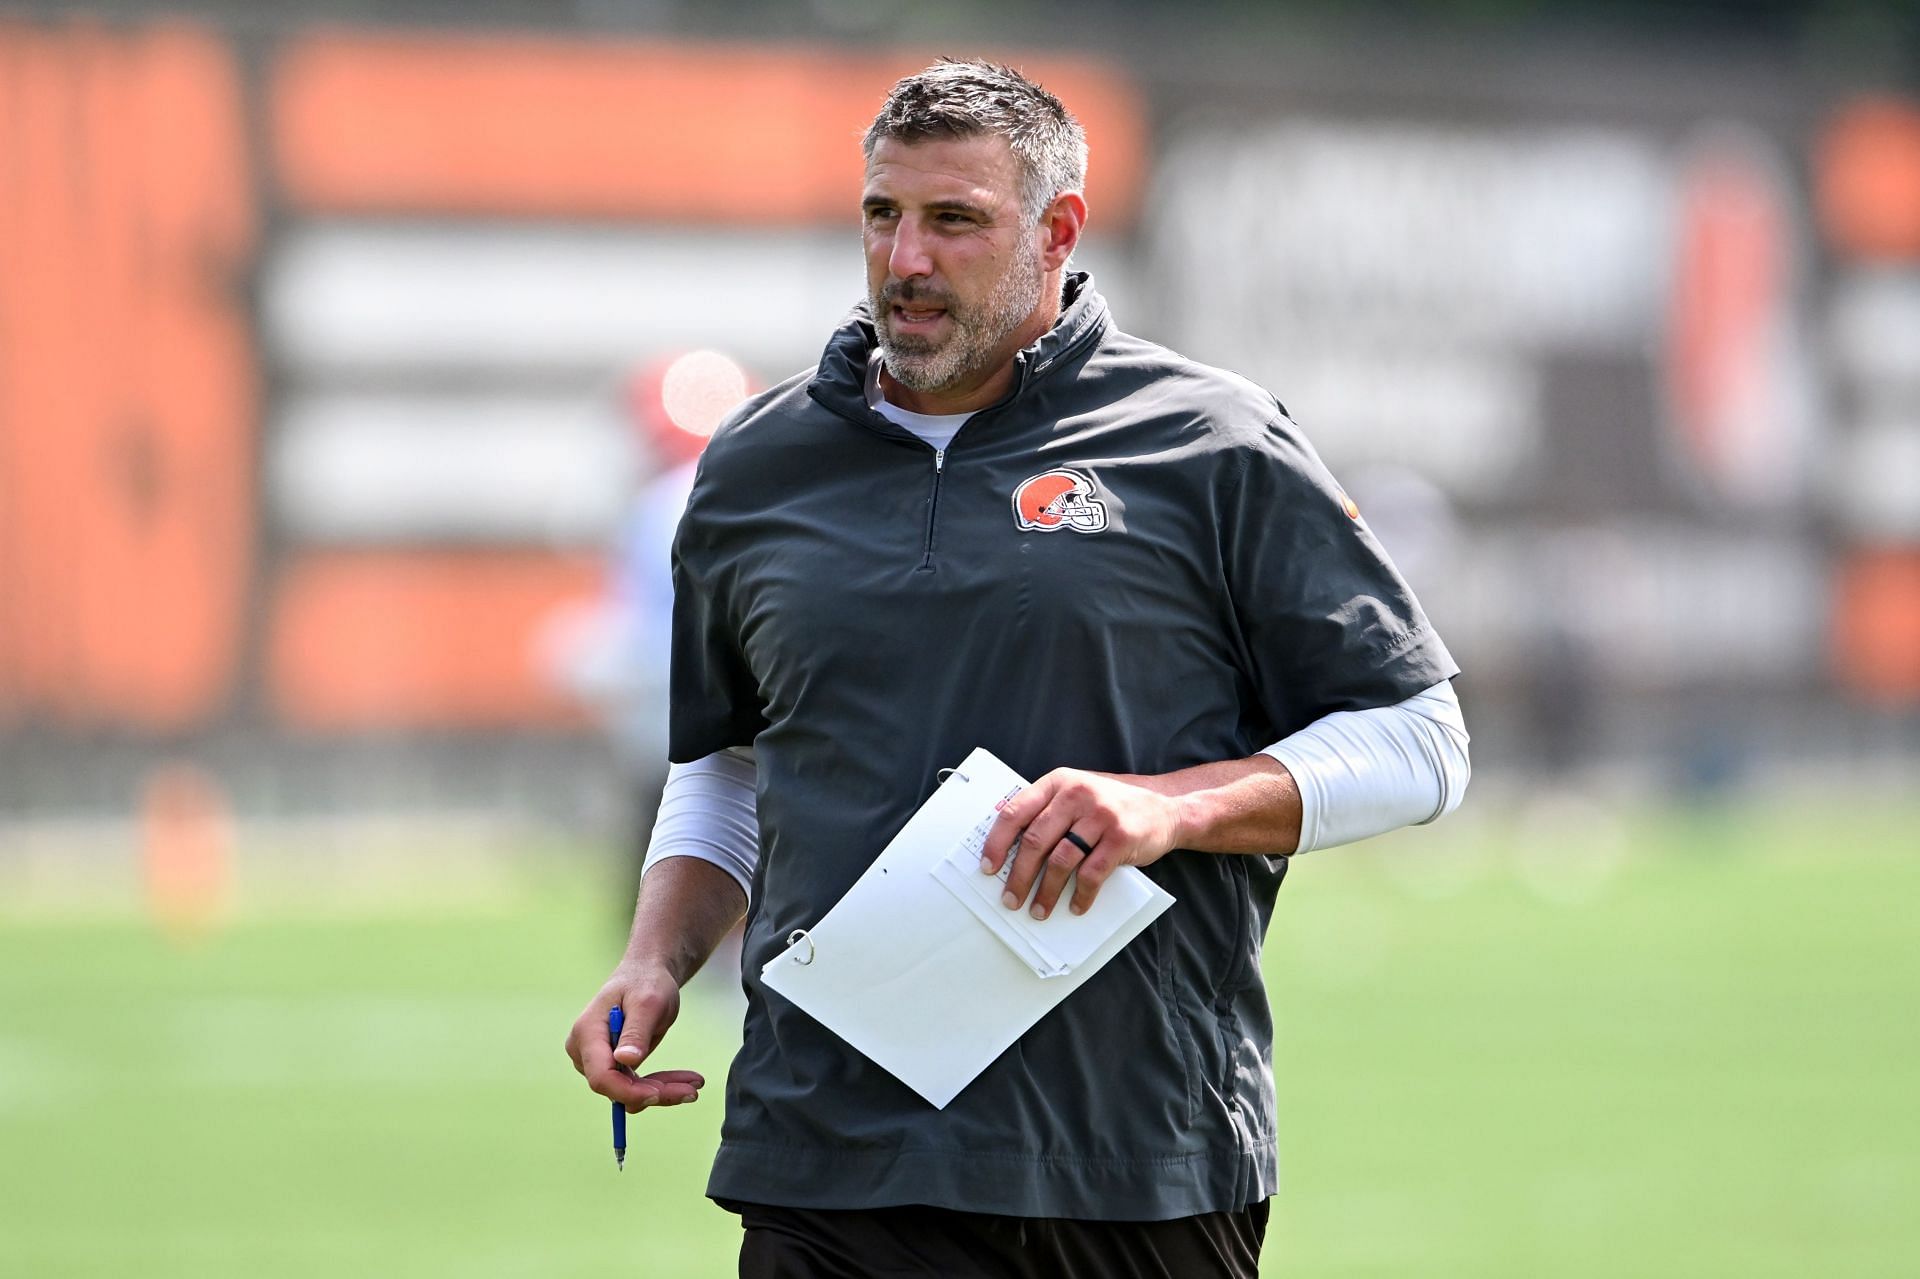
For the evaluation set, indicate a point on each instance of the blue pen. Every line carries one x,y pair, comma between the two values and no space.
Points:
614,1022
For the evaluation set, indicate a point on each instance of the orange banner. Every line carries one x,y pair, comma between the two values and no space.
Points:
693,132
443,640
1877,624
1868,170
127,403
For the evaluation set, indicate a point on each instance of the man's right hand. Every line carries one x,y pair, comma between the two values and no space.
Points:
649,1000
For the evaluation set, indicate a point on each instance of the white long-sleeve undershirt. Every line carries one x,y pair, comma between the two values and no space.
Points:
1364,773
708,810
1359,773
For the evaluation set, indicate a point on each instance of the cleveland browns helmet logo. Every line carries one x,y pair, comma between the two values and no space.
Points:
1056,500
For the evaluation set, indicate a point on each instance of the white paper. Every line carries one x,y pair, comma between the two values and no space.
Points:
1052,947
910,973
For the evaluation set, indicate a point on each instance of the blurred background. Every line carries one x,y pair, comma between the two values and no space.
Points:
352,358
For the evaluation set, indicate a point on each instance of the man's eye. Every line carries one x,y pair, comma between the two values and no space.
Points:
879,214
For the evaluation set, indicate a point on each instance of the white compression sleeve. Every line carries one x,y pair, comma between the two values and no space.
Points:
1360,773
1363,773
708,810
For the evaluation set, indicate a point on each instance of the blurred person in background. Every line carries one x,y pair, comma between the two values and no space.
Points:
991,518
613,655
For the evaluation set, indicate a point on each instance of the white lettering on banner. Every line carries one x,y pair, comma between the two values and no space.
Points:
1465,419
1875,326
1528,237
1652,607
389,467
346,300
1400,285
1873,490
1875,493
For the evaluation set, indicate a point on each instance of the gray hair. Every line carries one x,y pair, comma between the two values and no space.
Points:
965,99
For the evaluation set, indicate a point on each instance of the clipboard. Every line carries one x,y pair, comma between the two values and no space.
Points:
924,971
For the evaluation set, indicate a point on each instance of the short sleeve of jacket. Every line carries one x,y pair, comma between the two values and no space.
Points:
713,699
1328,622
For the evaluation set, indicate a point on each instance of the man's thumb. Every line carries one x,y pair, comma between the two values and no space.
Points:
631,1050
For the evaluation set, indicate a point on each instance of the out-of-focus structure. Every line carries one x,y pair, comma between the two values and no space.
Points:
305,329
613,654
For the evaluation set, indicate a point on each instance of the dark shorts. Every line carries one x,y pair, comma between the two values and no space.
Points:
893,1243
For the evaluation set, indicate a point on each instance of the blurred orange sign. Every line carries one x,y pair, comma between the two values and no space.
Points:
127,402
697,132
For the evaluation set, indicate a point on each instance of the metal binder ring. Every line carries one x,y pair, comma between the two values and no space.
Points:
799,935
945,773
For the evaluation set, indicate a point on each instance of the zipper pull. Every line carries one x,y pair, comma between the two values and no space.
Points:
939,460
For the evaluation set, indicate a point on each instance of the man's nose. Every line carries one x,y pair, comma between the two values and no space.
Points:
909,257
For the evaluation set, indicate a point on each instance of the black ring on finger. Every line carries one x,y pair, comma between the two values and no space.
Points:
1078,843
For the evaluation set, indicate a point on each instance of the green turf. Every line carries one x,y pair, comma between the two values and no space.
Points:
1558,1045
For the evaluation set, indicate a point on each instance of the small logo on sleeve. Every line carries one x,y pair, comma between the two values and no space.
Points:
1055,500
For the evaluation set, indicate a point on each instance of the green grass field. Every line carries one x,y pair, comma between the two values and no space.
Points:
1562,1045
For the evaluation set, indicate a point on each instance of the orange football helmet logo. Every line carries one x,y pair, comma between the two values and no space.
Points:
1059,499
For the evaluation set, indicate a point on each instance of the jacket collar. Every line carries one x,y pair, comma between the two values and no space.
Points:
840,381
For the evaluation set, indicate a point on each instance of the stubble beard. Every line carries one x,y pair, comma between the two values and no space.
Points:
929,367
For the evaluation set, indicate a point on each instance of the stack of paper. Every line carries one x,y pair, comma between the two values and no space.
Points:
922,969
1057,945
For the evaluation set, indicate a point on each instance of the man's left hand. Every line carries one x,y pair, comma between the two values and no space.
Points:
1079,824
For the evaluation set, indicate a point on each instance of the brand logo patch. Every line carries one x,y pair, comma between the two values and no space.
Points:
1055,500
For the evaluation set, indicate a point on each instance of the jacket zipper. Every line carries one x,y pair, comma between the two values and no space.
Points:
933,509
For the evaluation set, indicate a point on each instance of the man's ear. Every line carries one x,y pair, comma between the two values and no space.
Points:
1061,225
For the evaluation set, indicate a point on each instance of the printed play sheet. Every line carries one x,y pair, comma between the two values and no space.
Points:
923,970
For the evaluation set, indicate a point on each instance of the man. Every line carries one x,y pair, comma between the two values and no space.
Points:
990,518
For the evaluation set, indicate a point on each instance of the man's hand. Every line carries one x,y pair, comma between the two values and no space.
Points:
686,906
1079,824
1125,819
649,1000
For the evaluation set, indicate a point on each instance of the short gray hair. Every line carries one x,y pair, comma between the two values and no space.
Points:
965,99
